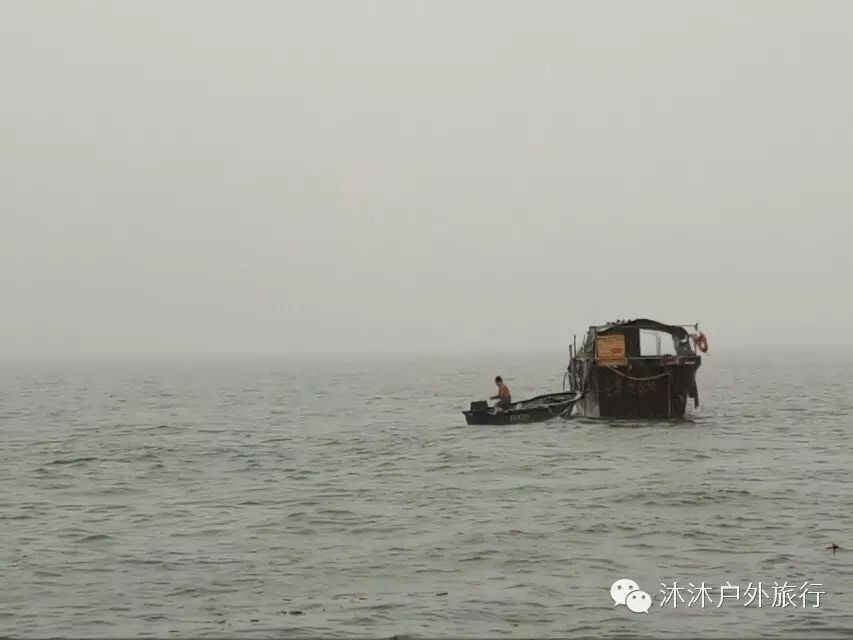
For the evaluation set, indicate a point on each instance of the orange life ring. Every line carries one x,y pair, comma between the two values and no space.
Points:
701,342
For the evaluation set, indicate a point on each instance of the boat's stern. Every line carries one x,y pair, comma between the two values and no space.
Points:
624,374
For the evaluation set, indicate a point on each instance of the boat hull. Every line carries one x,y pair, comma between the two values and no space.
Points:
538,409
656,392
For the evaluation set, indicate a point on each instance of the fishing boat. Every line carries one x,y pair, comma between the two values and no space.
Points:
636,369
538,409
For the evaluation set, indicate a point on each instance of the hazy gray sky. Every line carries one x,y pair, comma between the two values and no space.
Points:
278,177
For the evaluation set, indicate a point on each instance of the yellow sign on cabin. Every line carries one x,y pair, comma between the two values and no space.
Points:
610,350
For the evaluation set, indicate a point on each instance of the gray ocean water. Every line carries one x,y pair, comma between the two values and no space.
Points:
348,498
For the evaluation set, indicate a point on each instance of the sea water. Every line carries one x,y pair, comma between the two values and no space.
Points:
347,497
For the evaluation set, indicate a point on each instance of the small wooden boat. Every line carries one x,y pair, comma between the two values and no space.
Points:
538,409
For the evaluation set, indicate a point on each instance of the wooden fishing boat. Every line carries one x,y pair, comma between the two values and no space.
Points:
636,369
538,409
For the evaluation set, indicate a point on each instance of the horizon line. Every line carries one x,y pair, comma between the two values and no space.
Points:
382,354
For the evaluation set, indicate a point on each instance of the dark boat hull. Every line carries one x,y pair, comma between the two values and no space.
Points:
650,390
538,409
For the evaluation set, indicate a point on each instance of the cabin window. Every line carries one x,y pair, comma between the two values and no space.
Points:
656,343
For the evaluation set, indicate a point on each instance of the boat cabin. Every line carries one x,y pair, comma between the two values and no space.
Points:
635,369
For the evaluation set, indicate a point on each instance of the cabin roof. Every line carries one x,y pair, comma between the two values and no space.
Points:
642,323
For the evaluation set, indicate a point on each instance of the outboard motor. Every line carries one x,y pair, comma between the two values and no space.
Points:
479,406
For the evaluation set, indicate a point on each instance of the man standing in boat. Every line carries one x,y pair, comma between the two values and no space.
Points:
504,397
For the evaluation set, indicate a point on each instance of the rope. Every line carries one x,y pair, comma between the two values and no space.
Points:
563,412
625,375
